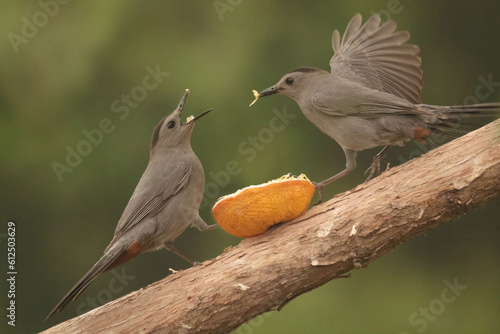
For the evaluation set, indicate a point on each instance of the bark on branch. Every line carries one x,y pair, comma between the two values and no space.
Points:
348,232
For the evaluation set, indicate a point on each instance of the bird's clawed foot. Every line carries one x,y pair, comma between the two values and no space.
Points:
212,227
202,226
374,169
319,187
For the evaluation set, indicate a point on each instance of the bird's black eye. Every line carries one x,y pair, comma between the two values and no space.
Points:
289,81
171,125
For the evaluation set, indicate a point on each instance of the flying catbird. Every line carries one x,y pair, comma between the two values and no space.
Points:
372,95
165,202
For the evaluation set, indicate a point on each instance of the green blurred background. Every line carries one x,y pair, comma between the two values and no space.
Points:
64,78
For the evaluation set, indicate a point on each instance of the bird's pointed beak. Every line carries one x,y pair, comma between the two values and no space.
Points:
269,91
183,101
192,119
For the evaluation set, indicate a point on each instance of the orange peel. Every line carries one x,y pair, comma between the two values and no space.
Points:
252,210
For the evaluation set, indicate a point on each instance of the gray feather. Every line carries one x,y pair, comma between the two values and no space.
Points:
101,266
377,57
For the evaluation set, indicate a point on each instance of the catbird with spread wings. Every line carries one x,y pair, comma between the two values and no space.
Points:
371,97
165,202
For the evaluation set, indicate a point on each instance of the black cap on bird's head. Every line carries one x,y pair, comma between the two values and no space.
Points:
171,131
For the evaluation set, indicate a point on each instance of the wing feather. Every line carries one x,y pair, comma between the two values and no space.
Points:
377,57
149,203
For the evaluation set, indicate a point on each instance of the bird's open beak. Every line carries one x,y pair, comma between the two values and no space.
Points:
183,100
194,119
190,119
269,91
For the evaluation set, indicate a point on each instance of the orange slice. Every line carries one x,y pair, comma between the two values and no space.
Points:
252,210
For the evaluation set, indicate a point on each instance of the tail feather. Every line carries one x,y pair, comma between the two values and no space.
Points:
431,142
449,131
477,108
101,266
453,121
480,110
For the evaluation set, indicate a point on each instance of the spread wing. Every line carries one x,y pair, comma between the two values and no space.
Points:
377,57
150,197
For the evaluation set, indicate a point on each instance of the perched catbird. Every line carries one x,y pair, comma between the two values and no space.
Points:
165,202
372,95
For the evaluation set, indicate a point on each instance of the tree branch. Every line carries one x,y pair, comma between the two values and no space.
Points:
348,232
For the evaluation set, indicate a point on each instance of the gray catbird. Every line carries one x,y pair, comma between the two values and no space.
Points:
372,95
165,202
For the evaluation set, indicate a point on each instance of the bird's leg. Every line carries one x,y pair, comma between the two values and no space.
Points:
375,166
170,247
319,186
202,226
350,156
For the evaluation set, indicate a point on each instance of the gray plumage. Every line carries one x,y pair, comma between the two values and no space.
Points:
371,97
165,202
